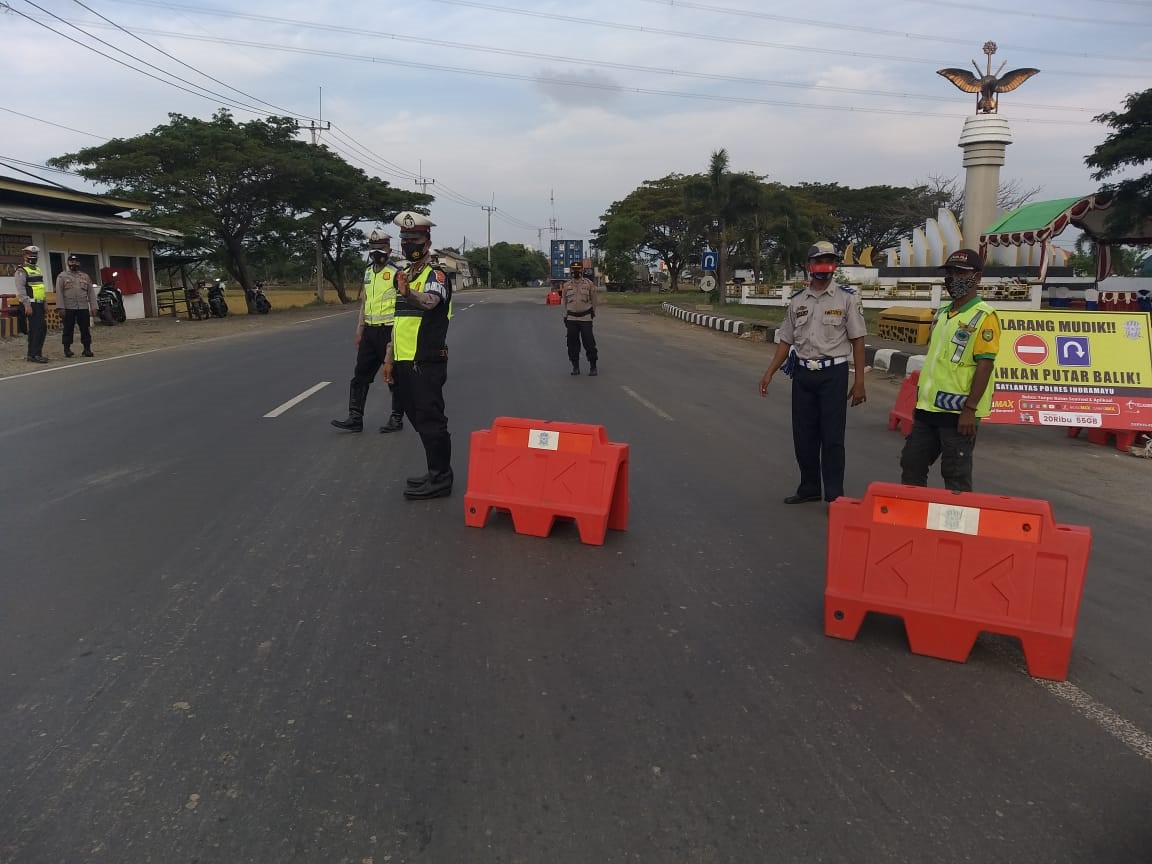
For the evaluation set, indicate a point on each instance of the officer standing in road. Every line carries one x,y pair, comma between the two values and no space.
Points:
76,298
579,310
373,334
955,390
823,329
32,295
417,360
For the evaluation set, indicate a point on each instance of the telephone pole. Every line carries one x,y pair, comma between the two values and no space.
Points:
422,181
316,127
489,210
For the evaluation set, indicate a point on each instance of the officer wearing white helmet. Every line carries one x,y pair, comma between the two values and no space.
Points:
417,360
32,295
822,331
373,333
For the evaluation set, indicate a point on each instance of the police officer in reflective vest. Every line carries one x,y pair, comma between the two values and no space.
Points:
373,333
417,360
955,390
822,330
31,294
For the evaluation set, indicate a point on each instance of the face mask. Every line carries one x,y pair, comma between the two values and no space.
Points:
413,250
959,286
73,267
822,270
32,259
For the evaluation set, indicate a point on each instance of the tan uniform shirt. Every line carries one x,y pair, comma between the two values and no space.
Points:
822,323
75,291
579,299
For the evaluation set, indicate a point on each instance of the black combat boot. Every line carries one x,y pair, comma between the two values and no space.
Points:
575,367
592,369
438,483
357,396
395,423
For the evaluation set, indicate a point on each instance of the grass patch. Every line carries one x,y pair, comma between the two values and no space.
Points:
735,311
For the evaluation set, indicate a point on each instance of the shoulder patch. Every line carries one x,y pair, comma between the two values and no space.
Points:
847,288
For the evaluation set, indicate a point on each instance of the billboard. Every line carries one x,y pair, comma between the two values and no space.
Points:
564,252
1089,369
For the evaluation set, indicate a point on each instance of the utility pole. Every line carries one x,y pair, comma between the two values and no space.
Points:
489,209
316,127
422,181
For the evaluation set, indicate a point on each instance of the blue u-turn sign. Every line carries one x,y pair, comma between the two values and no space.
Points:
707,260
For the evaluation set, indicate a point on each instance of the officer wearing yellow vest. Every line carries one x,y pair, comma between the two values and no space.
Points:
373,334
955,390
31,294
417,360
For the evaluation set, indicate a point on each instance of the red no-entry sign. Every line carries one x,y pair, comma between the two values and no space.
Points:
1030,349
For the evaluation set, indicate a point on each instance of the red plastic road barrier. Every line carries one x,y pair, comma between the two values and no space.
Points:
901,413
554,298
953,565
1125,438
539,470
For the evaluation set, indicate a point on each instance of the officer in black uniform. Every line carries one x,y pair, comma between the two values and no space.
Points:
417,359
823,329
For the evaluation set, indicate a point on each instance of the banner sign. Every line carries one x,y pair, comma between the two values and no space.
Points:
1074,369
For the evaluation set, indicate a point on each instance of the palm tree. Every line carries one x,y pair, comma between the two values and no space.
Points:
722,201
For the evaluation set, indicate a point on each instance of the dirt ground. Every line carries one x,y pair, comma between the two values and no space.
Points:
149,334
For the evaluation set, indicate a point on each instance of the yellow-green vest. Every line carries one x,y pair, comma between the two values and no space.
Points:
380,295
418,334
946,378
34,282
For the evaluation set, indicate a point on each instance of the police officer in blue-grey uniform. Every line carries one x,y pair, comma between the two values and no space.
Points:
823,330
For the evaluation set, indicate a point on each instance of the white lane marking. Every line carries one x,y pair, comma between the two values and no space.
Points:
655,409
1122,730
322,317
296,400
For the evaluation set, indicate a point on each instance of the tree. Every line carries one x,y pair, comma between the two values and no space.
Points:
877,216
621,240
1124,260
512,264
1009,196
1129,146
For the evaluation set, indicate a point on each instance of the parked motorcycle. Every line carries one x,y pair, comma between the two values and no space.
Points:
110,303
258,303
217,305
197,308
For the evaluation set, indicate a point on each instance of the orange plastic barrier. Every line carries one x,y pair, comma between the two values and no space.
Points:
1124,438
901,413
540,470
554,298
953,565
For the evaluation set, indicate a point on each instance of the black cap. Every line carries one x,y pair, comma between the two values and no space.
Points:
73,257
963,259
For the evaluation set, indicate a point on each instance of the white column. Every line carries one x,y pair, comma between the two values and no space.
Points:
984,140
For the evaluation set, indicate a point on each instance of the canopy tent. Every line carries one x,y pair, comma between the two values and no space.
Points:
1041,221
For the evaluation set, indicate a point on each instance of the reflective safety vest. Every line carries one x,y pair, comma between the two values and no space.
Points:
34,282
421,335
380,295
946,378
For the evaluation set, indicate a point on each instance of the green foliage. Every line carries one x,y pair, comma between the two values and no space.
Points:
1129,146
877,216
513,264
620,240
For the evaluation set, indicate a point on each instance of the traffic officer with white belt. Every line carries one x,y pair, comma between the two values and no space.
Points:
373,334
417,359
32,295
823,330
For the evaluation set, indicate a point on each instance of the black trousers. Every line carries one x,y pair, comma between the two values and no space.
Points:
581,331
83,317
819,414
370,357
37,330
939,439
421,389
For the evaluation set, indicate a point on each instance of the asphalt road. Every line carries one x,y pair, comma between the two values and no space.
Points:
227,638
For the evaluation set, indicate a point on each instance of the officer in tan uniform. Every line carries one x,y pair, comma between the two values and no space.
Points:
76,300
579,310
823,330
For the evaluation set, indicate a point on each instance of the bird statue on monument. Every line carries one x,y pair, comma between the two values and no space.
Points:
988,83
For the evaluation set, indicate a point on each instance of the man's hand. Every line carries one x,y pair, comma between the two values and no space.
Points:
764,382
386,373
359,333
27,308
402,282
966,425
858,396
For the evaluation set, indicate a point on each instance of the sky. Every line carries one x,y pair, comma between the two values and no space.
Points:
550,111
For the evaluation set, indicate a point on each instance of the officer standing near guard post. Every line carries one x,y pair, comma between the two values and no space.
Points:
823,328
32,295
417,360
579,310
373,334
955,388
76,300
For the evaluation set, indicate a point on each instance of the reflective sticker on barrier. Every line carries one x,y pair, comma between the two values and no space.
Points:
543,439
950,517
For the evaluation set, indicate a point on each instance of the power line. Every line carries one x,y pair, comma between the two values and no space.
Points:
878,31
41,167
50,123
1045,16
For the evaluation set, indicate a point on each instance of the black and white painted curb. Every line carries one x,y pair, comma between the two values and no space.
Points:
890,360
714,322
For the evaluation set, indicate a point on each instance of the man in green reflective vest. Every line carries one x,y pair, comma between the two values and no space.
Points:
32,295
417,360
373,333
955,390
